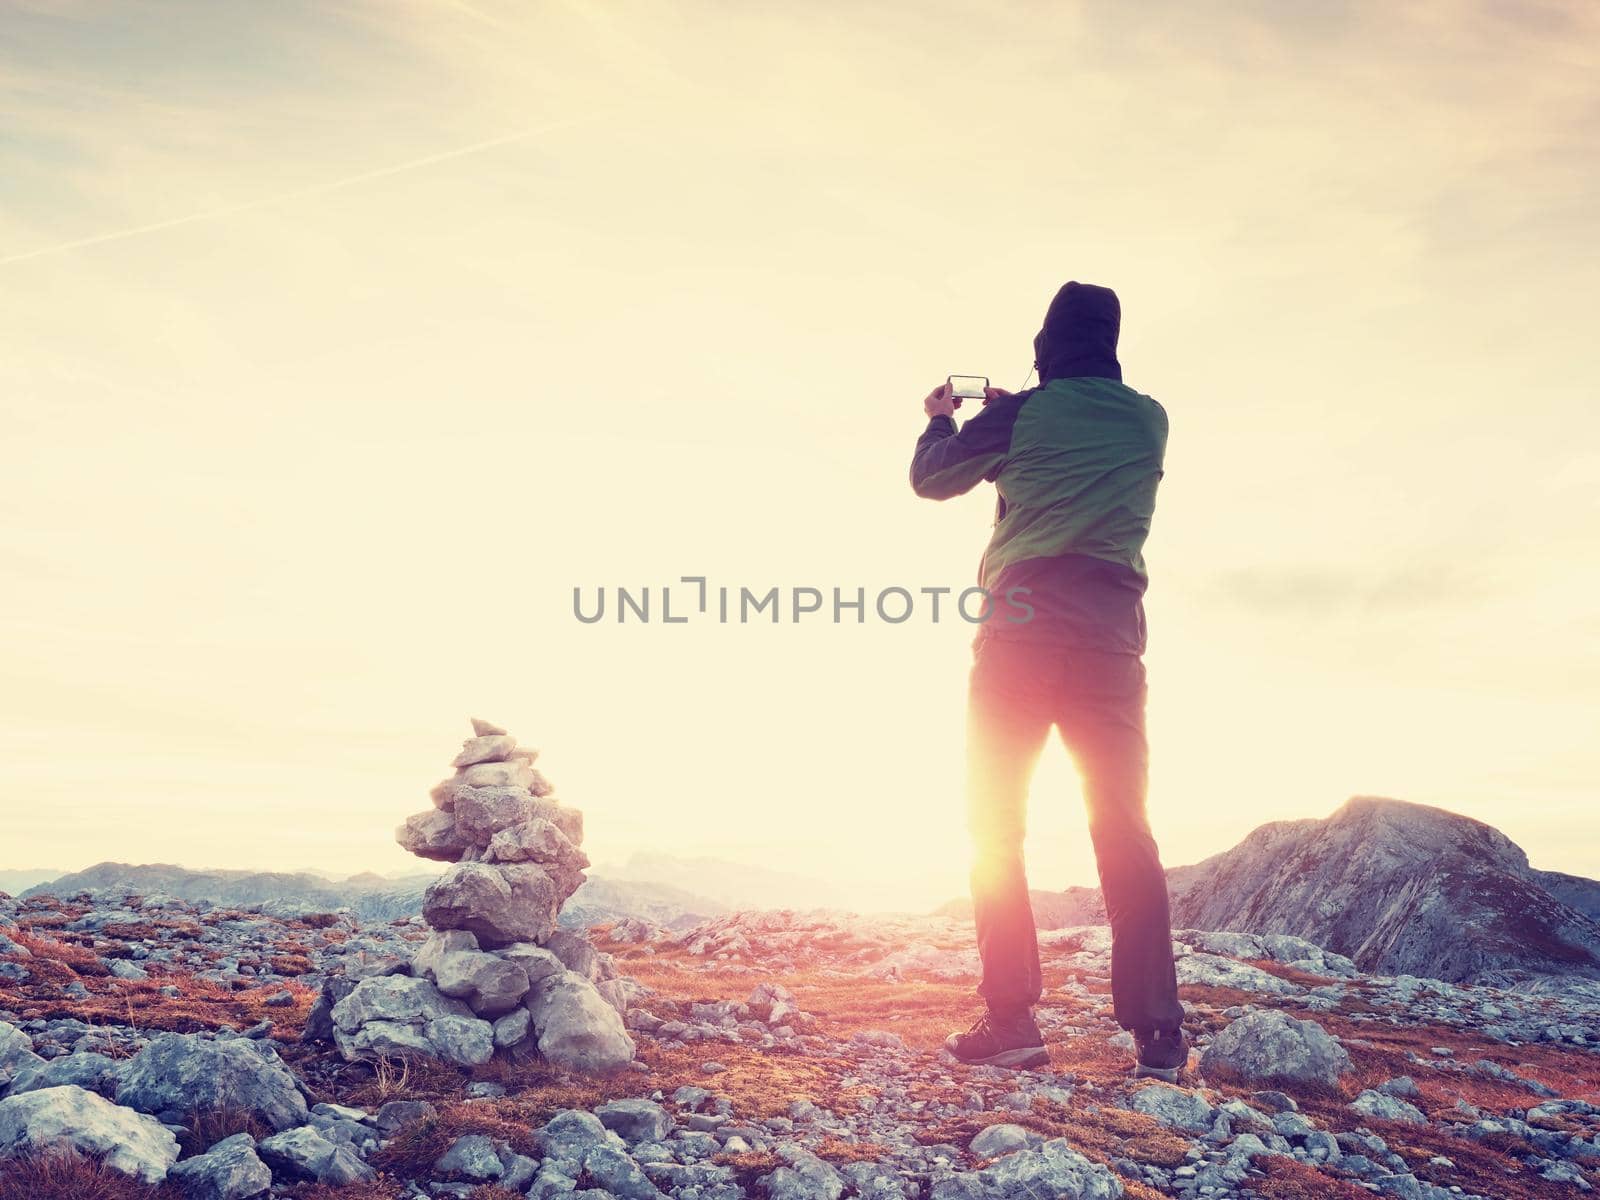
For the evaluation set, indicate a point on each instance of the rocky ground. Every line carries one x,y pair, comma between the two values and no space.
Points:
176,1047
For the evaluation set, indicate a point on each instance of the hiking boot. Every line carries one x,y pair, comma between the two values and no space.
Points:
1010,1040
1162,1053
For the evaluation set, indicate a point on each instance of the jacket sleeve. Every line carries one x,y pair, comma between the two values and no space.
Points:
949,462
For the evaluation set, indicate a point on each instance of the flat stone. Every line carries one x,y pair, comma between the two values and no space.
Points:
996,1140
433,835
489,747
1176,1107
509,902
490,985
498,775
382,1039
635,1120
398,998
397,1114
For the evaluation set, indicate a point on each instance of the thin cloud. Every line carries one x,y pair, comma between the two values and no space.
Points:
306,193
1329,590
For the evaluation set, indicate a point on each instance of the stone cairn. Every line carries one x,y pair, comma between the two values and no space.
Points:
495,975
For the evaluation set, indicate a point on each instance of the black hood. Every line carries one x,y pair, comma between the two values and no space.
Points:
1080,334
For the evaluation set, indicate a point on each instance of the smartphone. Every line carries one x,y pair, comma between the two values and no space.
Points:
968,387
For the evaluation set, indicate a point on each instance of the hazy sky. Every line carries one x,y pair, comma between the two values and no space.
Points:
339,342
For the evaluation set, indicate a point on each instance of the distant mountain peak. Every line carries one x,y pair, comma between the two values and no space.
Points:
1400,887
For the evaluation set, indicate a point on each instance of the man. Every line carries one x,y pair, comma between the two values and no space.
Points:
1076,461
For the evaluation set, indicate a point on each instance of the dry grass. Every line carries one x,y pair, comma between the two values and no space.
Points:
1102,1135
761,1083
749,1166
65,1175
764,1082
1388,1047
200,1004
58,952
840,1151
416,1147
382,1188
1287,1179
1306,979
208,1128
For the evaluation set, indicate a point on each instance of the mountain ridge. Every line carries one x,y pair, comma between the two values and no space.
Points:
370,896
1399,887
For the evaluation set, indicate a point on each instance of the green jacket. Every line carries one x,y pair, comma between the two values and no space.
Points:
1076,462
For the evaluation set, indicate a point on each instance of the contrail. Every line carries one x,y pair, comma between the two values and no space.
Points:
319,189
475,13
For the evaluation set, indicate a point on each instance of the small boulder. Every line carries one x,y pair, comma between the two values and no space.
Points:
576,952
1176,1107
1385,1107
230,1170
635,1120
489,984
1053,1169
1270,1047
90,1071
513,1028
576,1028
401,998
124,1140
471,1158
803,1176
397,1114
180,1076
16,1050
303,1154
569,1135
517,774
996,1140
618,1175
510,902
465,1041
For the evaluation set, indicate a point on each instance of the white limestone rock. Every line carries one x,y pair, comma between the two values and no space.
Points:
493,747
511,902
129,1142
433,834
575,1027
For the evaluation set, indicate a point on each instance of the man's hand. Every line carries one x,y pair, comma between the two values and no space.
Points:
991,394
941,402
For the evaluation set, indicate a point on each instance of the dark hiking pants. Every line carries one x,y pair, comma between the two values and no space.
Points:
1096,698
